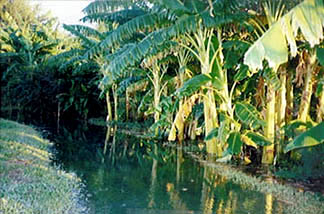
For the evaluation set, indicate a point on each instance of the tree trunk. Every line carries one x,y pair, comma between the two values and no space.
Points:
115,95
320,107
308,89
157,88
211,121
290,97
281,110
268,151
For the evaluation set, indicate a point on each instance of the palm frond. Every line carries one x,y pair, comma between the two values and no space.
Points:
152,43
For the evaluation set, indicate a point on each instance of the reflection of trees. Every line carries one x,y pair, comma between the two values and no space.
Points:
175,198
179,162
210,182
153,187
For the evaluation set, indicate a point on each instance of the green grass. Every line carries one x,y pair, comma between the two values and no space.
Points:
29,184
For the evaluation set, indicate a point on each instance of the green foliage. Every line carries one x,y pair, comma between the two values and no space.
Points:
311,137
258,139
212,134
192,85
320,55
234,144
306,17
249,115
293,128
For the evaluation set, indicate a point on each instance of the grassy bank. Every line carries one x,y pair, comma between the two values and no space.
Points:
28,182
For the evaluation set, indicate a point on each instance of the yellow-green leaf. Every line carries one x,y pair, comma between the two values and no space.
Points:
307,17
311,137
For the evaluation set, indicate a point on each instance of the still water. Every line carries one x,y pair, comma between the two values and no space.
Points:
138,178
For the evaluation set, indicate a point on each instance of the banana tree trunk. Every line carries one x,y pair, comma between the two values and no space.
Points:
210,116
157,88
320,107
115,95
210,112
290,97
268,151
181,126
109,109
109,118
281,110
308,89
179,163
193,128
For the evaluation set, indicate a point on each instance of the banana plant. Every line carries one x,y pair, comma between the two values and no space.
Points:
171,19
306,17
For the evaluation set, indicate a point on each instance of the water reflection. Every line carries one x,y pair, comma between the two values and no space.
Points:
141,177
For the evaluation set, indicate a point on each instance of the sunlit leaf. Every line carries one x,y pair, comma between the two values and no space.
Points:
271,77
247,160
307,17
258,139
249,115
248,141
311,137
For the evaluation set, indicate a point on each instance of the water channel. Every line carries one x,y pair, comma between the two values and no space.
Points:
136,177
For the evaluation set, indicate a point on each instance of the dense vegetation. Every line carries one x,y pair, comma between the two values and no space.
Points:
247,78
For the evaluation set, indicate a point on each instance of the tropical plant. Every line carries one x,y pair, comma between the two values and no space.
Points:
306,17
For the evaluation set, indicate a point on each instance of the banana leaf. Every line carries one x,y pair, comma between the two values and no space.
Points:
307,18
249,115
192,85
320,55
258,139
234,143
311,137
